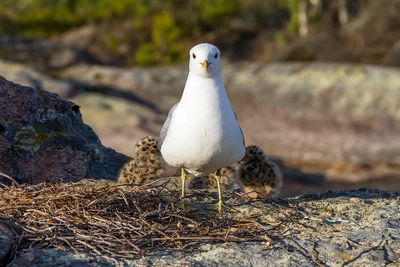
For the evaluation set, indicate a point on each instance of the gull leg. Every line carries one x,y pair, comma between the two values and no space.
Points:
183,179
219,204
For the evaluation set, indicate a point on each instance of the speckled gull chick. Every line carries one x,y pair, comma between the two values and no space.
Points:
201,134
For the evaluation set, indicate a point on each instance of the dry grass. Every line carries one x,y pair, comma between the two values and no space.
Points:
120,221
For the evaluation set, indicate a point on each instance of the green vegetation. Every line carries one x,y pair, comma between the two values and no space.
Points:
159,30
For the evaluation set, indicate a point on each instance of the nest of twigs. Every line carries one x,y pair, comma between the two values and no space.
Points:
120,221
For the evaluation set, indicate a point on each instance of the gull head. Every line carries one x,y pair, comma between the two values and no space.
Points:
205,60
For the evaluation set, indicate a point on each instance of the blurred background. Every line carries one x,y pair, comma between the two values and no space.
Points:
315,83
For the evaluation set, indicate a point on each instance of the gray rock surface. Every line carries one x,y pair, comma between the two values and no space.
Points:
7,240
336,121
159,85
342,92
395,54
340,121
120,121
41,53
346,228
43,138
27,76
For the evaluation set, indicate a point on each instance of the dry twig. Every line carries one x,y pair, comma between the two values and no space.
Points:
13,180
117,221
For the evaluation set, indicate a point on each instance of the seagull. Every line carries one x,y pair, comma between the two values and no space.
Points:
201,134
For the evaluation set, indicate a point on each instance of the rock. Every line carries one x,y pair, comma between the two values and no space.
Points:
345,107
79,38
24,75
64,58
52,257
108,115
41,54
43,138
101,44
351,110
322,90
346,94
355,228
394,56
159,85
8,233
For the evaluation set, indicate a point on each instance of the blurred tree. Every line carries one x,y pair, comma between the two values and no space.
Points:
302,12
343,13
303,18
164,46
160,31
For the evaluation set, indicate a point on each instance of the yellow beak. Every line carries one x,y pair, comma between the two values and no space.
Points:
205,64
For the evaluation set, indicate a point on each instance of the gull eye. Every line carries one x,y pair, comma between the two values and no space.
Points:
216,55
193,55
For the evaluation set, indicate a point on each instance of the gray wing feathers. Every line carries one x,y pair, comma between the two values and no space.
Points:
244,144
164,129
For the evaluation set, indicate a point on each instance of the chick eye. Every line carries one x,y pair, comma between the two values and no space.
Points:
193,55
216,55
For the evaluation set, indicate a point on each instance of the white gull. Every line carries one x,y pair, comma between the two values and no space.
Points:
201,134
